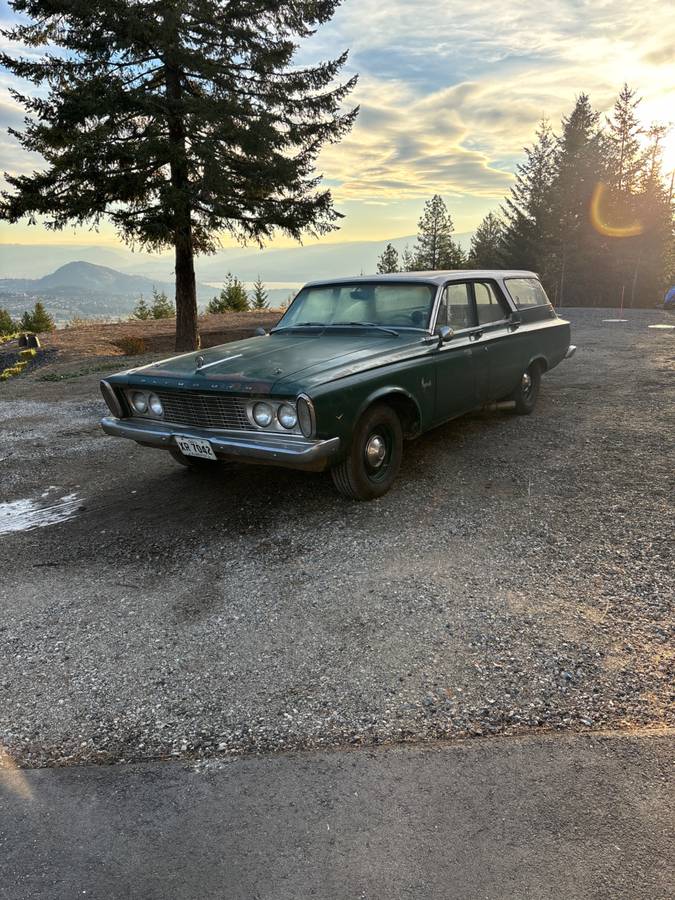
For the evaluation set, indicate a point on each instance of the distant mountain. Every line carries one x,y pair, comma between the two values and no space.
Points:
83,289
36,260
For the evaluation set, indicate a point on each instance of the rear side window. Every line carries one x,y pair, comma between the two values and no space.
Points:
488,305
527,292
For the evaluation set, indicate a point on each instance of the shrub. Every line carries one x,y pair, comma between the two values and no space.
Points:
259,298
7,324
131,346
38,320
232,298
141,311
162,307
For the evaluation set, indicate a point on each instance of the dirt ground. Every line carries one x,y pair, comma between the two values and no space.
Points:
518,578
150,336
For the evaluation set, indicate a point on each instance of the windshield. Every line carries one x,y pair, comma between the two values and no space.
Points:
389,304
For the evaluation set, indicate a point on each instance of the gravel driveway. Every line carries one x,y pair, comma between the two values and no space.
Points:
518,577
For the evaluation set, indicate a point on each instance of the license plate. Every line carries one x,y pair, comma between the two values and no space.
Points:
192,447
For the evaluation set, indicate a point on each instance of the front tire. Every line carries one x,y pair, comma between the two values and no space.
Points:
525,395
374,457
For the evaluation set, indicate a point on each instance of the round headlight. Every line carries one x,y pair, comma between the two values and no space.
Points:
155,405
287,416
305,417
262,414
139,401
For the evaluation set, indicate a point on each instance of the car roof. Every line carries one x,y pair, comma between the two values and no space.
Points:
440,277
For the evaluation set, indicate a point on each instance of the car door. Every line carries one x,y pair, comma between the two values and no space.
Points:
455,379
498,365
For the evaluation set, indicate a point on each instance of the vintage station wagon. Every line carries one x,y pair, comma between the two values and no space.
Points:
353,368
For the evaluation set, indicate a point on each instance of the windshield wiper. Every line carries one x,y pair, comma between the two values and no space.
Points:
369,325
299,325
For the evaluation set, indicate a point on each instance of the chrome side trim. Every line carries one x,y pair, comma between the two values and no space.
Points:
571,350
289,450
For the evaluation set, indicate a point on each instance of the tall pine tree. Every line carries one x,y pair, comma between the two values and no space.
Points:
527,235
577,246
176,119
388,262
435,248
486,244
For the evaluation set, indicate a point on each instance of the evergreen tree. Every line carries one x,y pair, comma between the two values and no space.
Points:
624,154
176,120
435,248
141,310
580,251
408,260
388,262
162,307
652,251
37,321
7,324
232,298
486,244
527,231
259,298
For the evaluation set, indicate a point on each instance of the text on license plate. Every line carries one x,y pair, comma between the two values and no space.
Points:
192,447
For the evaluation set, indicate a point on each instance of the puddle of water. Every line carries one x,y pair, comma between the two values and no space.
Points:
22,515
667,327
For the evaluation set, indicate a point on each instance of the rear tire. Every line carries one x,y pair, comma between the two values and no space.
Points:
525,395
374,457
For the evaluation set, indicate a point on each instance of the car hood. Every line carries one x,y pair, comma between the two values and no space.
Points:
279,362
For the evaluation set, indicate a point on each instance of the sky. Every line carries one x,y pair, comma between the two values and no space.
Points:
450,93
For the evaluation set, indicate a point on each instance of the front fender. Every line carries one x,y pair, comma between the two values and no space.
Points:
339,405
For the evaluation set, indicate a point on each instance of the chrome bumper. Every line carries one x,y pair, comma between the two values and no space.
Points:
289,450
571,350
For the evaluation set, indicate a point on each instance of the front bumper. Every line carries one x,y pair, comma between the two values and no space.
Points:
293,451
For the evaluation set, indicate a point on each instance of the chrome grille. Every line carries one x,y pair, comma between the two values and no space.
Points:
203,410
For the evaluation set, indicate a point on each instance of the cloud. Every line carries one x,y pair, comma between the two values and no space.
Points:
451,92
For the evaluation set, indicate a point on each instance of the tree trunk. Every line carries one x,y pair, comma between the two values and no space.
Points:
187,331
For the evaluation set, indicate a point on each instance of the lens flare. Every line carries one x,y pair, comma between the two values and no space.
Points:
599,217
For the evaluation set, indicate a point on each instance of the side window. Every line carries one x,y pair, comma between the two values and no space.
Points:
488,304
454,309
527,292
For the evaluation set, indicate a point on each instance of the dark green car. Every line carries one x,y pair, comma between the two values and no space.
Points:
353,368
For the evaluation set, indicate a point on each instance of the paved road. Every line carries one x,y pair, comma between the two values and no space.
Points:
493,818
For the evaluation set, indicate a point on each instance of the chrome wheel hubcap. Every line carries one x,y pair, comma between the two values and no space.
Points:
376,450
526,381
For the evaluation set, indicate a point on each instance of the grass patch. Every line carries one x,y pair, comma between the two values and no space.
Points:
14,370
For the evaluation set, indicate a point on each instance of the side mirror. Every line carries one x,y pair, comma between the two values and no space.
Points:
514,320
260,331
444,333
